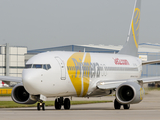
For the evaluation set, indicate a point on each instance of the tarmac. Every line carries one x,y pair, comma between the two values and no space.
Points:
148,109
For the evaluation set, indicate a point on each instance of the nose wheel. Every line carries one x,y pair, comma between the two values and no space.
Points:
41,105
60,101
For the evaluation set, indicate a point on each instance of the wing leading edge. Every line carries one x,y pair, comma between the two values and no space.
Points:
151,62
108,85
8,79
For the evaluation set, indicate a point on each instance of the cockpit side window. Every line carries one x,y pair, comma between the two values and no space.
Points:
28,66
48,66
37,66
45,67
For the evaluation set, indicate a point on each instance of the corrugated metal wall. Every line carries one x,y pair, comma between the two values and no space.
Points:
153,69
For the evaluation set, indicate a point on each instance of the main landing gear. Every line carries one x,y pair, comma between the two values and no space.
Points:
60,101
58,104
117,105
41,105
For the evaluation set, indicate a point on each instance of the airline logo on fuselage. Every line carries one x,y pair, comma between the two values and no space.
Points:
80,70
118,61
89,69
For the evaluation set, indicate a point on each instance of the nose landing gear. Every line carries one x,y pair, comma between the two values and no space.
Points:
60,101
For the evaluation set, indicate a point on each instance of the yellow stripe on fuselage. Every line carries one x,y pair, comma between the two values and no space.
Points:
75,76
86,75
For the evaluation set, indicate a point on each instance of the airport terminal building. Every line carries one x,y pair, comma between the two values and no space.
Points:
12,60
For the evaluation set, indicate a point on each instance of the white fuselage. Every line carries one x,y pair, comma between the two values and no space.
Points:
76,73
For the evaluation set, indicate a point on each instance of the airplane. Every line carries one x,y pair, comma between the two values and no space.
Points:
2,84
63,74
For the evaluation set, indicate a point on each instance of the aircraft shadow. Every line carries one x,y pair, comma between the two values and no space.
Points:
52,109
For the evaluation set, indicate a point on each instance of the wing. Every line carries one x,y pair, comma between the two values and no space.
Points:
150,79
8,79
108,85
151,62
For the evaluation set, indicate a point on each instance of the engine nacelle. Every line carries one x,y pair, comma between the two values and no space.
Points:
21,96
129,93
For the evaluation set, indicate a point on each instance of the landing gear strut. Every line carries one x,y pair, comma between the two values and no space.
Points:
117,105
41,105
60,101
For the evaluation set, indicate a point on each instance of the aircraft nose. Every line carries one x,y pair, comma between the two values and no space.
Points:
29,79
26,77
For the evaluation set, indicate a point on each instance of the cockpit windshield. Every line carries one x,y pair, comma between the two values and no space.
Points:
38,66
28,66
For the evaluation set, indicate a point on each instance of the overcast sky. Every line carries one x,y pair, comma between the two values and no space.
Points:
50,23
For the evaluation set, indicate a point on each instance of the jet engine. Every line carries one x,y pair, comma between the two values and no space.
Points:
21,96
129,93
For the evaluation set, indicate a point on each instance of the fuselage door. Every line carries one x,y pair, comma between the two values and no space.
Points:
62,66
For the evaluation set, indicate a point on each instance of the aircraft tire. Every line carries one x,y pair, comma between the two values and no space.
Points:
43,106
67,104
127,106
57,104
117,105
38,106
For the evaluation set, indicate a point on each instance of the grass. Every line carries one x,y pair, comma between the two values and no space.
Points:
11,104
6,88
152,88
5,95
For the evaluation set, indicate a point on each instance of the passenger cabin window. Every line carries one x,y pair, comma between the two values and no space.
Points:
38,66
